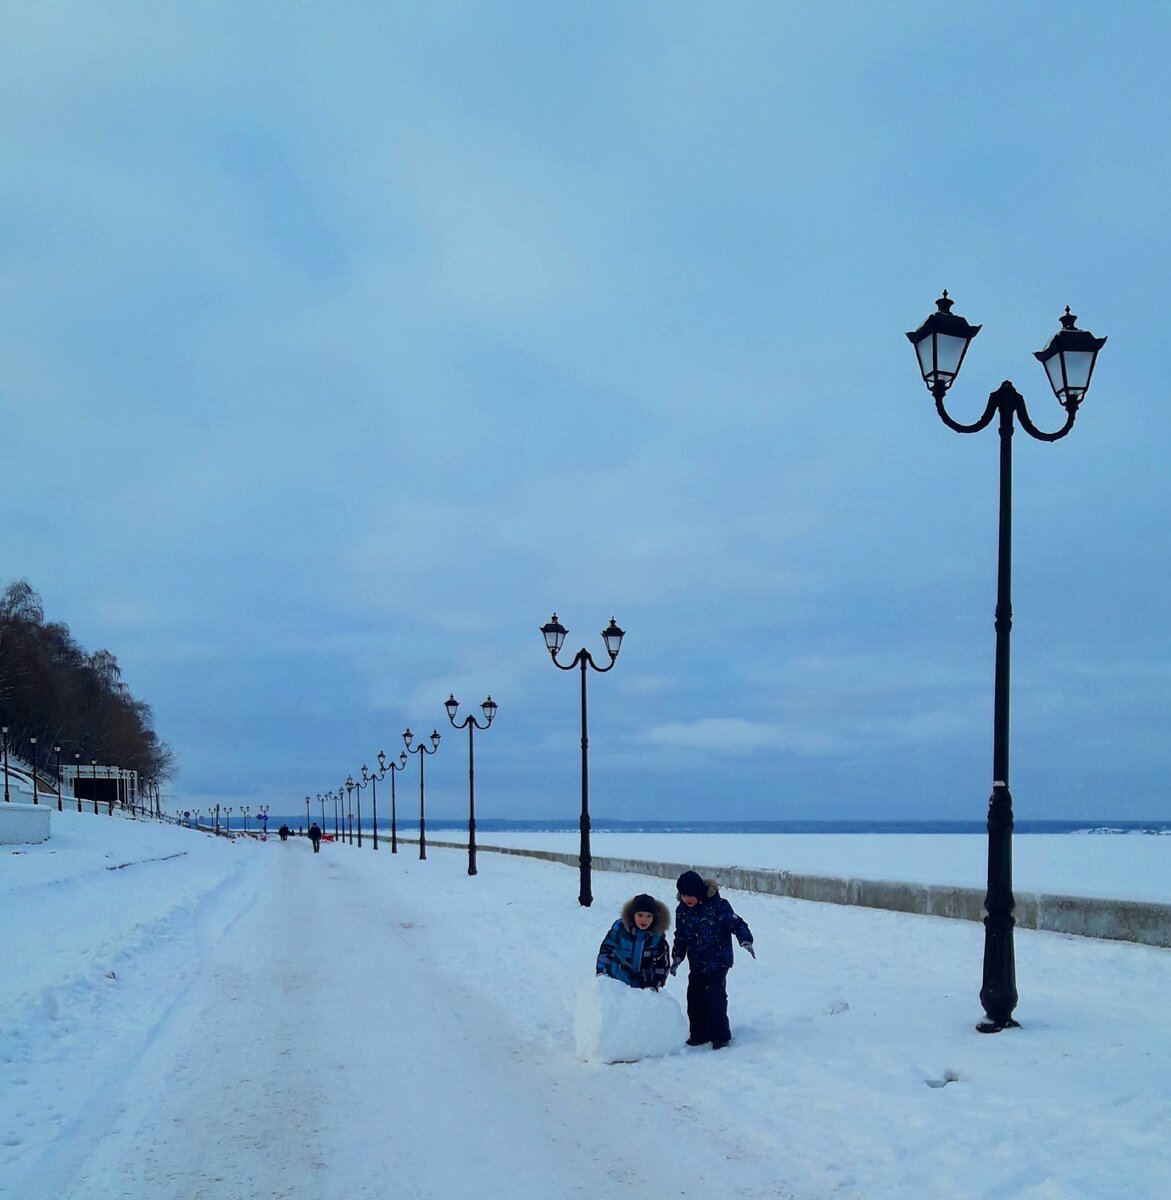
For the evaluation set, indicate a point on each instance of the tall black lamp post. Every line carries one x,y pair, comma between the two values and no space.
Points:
33,743
392,767
422,751
350,805
359,784
367,777
555,633
489,706
4,730
941,343
57,752
321,801
337,799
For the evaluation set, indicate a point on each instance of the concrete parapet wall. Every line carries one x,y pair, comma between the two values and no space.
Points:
1116,920
23,824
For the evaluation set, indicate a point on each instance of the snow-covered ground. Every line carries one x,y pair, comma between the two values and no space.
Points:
186,1017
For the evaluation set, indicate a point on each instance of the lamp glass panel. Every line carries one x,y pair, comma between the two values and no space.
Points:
948,353
925,349
1056,377
1078,365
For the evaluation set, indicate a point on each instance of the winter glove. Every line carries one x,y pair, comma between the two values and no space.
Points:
675,965
748,946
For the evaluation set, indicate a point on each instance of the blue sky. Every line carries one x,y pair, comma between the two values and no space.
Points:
340,345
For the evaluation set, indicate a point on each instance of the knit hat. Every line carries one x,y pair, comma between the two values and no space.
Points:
644,903
690,884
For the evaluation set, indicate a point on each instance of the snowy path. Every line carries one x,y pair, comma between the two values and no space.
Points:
258,1082
250,1021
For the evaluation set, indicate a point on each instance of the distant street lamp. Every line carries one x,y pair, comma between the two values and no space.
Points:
422,751
321,801
228,821
392,767
4,730
367,777
57,752
940,344
489,706
350,805
554,633
33,743
245,809
359,784
77,778
306,815
337,796
262,818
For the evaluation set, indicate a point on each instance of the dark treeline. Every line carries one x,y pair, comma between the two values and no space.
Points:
53,690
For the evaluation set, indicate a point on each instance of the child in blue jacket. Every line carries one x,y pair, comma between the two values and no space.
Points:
635,950
705,924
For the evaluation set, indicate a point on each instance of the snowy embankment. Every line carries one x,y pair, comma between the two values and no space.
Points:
1129,866
239,1020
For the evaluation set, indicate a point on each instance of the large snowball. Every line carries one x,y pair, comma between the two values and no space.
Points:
616,1023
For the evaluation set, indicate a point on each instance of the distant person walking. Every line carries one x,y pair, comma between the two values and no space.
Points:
704,927
284,833
315,837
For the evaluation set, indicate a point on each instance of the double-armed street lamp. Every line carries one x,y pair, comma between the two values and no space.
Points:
554,633
372,780
392,767
245,809
422,751
941,343
349,813
359,784
489,706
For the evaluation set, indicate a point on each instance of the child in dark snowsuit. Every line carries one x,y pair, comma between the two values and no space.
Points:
635,950
704,927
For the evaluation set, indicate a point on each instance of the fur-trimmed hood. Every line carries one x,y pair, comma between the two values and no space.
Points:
660,924
713,889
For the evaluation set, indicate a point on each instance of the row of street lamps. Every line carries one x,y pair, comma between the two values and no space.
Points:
554,634
351,790
36,792
148,786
